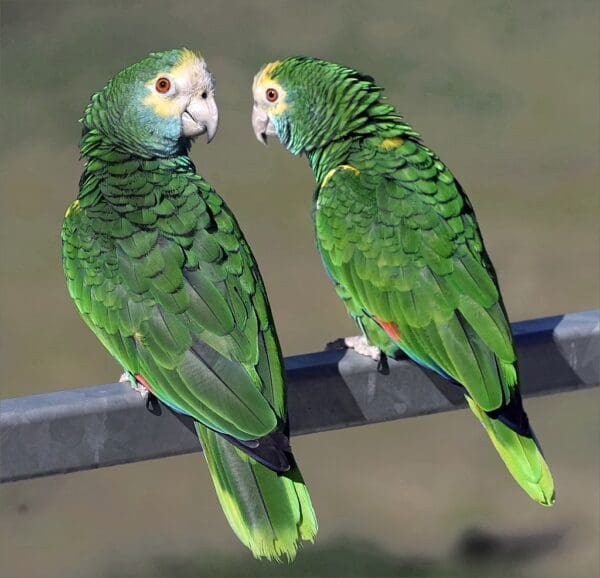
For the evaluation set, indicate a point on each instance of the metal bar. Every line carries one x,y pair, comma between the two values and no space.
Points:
104,425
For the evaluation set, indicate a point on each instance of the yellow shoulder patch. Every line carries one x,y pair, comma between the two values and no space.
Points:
391,143
74,206
339,168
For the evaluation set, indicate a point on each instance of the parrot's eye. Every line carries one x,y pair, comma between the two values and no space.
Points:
272,95
163,84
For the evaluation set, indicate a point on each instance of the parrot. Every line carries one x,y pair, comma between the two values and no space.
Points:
399,239
160,271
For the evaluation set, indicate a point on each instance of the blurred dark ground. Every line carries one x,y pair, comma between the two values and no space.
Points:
506,92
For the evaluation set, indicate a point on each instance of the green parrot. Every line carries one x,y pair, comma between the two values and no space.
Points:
160,271
399,238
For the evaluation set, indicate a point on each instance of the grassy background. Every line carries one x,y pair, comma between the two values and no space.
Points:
506,92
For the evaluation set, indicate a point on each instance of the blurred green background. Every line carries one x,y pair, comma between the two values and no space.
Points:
506,92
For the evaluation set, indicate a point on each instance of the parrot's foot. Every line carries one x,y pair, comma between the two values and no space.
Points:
359,343
135,385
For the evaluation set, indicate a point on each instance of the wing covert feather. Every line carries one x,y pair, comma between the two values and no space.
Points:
401,239
177,297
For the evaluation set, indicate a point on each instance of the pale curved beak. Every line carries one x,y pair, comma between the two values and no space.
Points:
261,124
201,116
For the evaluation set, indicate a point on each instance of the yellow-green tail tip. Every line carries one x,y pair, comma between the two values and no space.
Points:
522,457
290,519
271,514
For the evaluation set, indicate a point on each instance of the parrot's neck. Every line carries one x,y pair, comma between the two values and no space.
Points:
323,159
111,175
383,122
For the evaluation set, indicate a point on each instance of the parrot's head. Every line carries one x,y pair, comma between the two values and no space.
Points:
155,107
307,103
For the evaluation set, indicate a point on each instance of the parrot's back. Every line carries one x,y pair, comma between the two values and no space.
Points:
399,238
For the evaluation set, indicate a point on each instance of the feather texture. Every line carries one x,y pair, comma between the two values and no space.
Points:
399,238
160,271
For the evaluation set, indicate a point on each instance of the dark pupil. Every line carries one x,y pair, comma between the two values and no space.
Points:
163,83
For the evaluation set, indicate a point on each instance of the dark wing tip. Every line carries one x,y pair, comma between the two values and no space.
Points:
272,451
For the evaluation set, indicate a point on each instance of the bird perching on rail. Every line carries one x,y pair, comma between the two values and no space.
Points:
160,271
399,238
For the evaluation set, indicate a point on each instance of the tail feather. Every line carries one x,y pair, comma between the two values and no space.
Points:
521,454
270,513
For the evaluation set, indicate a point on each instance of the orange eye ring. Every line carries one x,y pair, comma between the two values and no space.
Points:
271,94
163,85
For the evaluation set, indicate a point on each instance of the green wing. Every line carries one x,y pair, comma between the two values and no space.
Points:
167,282
399,237
174,294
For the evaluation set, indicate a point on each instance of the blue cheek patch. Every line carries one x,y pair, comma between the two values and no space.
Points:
161,133
282,126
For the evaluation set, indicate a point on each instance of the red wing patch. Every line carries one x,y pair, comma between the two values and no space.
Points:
143,381
390,328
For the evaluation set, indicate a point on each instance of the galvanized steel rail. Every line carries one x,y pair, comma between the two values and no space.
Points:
92,427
